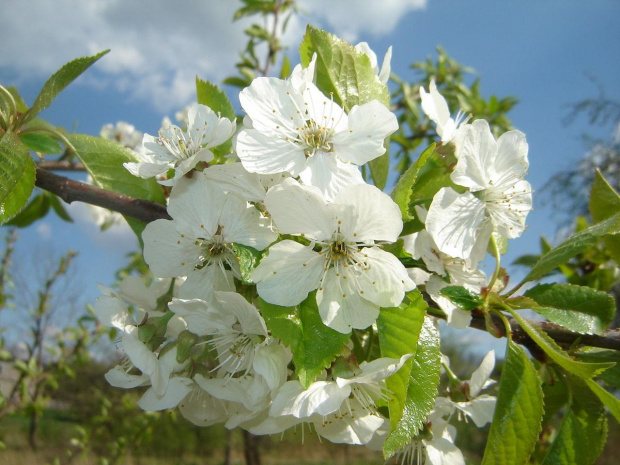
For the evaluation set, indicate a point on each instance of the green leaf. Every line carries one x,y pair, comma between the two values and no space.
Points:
349,76
212,96
40,142
574,245
577,308
608,399
17,175
59,80
19,101
518,412
186,341
610,376
432,176
248,260
402,191
605,202
583,432
37,208
421,390
313,344
104,160
399,329
342,70
555,353
462,297
59,208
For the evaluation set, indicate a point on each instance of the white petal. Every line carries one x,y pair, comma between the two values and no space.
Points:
455,222
480,409
201,318
202,409
119,378
177,389
260,153
201,283
512,151
246,314
244,224
322,397
233,178
298,209
282,278
367,214
476,151
347,429
340,305
169,253
271,362
329,174
375,371
385,278
482,374
435,106
369,125
111,311
196,205
441,451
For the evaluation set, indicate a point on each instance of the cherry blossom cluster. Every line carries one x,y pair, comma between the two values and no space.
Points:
292,197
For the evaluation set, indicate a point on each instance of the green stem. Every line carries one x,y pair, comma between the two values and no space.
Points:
496,254
9,99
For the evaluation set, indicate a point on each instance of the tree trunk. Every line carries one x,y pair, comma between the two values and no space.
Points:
250,446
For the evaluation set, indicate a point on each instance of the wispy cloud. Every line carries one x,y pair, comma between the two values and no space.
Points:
158,46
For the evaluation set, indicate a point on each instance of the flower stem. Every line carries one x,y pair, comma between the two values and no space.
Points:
496,254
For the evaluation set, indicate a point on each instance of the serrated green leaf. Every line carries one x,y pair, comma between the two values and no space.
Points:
577,308
342,70
41,143
349,76
248,260
402,191
212,96
462,297
610,376
432,176
19,101
58,81
518,412
583,432
104,160
17,175
574,245
421,390
605,202
399,329
608,399
37,208
59,208
555,353
285,71
313,344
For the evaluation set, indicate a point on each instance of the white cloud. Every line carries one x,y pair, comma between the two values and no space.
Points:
118,237
44,230
350,18
158,46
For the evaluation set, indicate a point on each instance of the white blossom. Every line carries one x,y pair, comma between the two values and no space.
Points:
498,198
354,277
383,73
436,108
179,150
305,133
122,133
199,240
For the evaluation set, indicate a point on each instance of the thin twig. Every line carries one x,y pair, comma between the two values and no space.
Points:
61,166
70,191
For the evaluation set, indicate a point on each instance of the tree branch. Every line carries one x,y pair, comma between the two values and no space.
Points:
562,336
70,191
61,166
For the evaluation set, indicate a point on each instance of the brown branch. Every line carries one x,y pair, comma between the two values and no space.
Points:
70,191
562,336
61,166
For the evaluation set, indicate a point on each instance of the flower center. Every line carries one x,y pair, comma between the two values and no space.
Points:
215,250
315,137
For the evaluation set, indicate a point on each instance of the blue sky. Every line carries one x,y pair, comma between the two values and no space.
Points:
546,53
